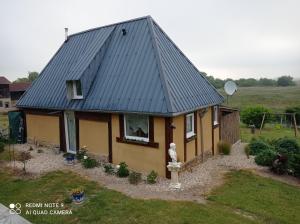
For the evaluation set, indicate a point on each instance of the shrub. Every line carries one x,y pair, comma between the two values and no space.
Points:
224,147
293,110
254,115
89,163
123,170
280,164
81,153
134,177
151,178
108,168
2,145
265,158
258,145
247,151
295,165
287,146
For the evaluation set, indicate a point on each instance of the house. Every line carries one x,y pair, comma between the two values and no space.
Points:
16,90
4,93
126,92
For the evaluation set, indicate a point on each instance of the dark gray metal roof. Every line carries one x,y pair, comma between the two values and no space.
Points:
140,72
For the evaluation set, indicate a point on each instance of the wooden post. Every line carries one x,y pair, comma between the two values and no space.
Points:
295,124
262,123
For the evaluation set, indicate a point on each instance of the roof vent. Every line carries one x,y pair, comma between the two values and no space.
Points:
66,34
124,32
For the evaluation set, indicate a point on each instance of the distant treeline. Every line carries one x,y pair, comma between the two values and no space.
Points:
281,81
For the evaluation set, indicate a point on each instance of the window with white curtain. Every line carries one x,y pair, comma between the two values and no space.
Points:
136,127
216,115
190,129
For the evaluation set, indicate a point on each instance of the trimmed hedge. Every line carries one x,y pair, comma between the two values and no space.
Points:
265,158
257,146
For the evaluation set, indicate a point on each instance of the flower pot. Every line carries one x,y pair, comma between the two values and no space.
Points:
78,198
70,160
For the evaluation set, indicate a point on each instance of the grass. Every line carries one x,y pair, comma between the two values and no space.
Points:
8,155
268,132
106,206
275,98
265,199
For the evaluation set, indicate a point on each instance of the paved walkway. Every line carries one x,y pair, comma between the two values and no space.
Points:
6,216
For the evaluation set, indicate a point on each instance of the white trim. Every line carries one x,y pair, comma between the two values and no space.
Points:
136,138
67,133
190,133
74,87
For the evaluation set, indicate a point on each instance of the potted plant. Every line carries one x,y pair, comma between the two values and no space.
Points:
78,195
69,158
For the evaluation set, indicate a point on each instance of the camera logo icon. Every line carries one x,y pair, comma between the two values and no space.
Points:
15,208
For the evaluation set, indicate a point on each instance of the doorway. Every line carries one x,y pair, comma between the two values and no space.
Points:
70,128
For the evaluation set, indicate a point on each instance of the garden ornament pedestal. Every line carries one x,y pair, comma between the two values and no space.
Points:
174,167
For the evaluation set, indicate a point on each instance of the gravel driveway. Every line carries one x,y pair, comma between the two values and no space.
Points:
196,182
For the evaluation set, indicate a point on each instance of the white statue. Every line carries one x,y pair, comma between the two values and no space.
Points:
172,152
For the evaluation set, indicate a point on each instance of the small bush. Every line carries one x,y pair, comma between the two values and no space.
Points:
280,164
81,153
2,145
89,163
265,158
254,115
151,178
134,177
247,151
258,145
108,168
123,170
287,146
295,165
224,147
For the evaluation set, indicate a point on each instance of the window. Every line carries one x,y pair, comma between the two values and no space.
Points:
77,91
136,127
216,120
190,129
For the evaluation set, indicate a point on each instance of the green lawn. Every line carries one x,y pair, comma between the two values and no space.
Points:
244,191
275,98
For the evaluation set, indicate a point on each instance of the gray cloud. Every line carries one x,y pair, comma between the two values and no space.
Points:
225,38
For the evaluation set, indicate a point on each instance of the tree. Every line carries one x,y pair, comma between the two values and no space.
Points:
266,82
285,81
30,77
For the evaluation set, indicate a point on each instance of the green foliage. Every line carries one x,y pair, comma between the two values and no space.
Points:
265,158
68,200
295,110
81,153
30,78
224,147
246,82
254,115
2,146
257,146
108,168
267,82
285,81
123,170
134,177
295,165
151,178
287,146
89,163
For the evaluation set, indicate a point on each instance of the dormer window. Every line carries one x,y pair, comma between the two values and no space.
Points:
74,89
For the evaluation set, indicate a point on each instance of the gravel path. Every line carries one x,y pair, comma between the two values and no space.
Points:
196,183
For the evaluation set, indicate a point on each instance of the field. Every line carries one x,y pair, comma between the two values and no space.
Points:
225,205
275,98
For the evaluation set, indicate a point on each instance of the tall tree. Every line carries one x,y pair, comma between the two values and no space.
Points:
30,77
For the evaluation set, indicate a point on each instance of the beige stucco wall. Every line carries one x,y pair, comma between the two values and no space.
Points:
190,150
207,131
178,133
94,135
43,129
140,158
216,139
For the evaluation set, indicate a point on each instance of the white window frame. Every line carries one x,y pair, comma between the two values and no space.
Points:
75,95
192,132
136,138
216,115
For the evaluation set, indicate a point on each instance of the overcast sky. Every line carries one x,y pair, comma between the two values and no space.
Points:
224,38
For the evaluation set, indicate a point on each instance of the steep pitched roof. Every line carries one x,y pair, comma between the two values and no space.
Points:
140,72
4,80
18,87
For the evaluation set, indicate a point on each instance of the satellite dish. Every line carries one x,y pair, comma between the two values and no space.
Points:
230,88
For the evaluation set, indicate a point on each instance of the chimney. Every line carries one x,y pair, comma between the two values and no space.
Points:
66,34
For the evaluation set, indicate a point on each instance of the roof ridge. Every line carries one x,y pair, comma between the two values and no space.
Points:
160,68
189,61
112,24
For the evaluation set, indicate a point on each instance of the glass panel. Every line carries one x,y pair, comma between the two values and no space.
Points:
189,126
71,131
137,126
78,88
